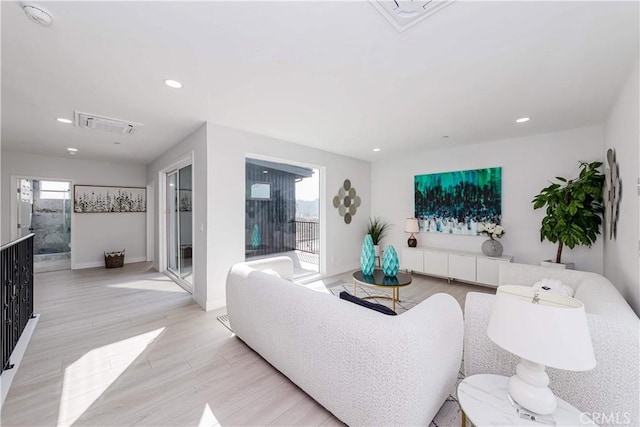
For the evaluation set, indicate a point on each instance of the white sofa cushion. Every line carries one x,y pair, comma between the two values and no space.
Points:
282,266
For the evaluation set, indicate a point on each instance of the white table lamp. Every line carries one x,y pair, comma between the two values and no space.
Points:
411,226
544,329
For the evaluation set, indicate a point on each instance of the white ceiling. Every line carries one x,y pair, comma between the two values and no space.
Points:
332,75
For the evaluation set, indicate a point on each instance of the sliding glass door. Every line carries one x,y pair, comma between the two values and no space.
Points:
179,230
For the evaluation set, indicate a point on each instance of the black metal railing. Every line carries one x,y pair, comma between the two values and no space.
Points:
308,236
16,294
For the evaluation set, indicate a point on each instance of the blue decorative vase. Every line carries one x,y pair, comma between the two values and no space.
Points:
256,238
367,256
390,263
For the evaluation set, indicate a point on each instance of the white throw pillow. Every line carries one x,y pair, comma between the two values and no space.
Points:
555,286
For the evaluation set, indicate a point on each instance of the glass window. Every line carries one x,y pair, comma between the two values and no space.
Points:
282,213
54,190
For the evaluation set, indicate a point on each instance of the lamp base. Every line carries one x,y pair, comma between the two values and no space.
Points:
412,242
529,388
531,416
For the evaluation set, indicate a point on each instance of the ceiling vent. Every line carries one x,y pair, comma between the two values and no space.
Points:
106,124
403,14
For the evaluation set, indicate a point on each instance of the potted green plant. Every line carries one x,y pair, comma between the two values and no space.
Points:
377,229
573,209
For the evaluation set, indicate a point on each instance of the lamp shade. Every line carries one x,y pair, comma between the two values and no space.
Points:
542,327
411,226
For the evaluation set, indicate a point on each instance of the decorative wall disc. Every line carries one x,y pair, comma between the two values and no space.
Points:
347,201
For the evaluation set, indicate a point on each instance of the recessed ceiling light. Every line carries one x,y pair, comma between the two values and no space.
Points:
173,83
38,15
523,119
72,151
375,150
63,120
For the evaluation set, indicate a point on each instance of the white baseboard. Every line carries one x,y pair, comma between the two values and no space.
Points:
94,264
215,304
200,301
209,305
16,357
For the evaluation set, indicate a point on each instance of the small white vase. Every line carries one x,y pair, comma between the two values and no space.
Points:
376,248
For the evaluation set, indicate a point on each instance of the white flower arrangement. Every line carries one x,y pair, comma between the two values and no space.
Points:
492,230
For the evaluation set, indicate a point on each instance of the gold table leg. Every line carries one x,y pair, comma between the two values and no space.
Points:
463,422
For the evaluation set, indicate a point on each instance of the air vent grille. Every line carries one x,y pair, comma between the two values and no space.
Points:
403,14
105,124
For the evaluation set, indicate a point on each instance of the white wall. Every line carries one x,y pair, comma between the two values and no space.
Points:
91,233
227,150
219,180
195,146
621,132
527,166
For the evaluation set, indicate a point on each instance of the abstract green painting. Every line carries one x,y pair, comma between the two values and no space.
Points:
456,202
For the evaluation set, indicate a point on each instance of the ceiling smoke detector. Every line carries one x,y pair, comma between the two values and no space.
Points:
106,124
403,14
37,14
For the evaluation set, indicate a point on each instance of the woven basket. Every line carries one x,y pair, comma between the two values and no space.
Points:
114,259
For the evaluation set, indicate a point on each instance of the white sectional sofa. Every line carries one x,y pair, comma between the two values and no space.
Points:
365,367
610,392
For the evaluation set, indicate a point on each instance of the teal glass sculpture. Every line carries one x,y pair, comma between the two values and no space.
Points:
390,262
256,237
367,256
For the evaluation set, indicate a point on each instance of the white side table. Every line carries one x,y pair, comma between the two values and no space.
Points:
484,401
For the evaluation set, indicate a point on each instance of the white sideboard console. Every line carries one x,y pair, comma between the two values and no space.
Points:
473,267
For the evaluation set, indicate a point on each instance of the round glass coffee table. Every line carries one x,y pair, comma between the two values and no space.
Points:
378,279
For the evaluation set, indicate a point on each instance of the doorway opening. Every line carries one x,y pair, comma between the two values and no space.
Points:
282,213
179,225
44,209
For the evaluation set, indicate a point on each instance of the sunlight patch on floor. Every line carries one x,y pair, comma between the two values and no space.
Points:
208,419
318,285
164,286
88,377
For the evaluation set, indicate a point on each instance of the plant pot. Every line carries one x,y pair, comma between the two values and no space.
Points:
376,248
560,266
492,248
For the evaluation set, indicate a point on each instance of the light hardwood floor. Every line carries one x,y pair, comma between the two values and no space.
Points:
129,347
